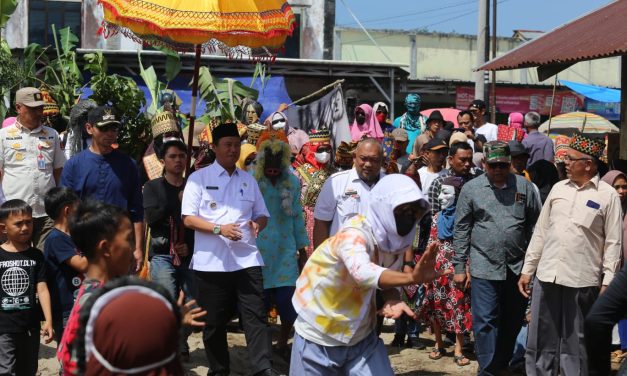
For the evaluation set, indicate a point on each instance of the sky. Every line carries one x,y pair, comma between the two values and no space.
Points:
460,16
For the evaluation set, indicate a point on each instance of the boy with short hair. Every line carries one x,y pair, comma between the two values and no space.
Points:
104,235
64,265
22,276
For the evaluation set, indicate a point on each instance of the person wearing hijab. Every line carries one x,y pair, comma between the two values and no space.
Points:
381,114
130,327
296,137
247,156
312,167
365,124
335,292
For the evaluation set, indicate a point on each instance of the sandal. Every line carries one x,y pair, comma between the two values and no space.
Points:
461,360
437,353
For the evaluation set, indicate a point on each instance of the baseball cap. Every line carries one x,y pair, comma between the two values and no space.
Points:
400,134
497,152
101,116
458,137
435,144
29,97
477,104
516,148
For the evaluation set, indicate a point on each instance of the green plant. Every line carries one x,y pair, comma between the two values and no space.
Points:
223,96
62,75
123,94
7,7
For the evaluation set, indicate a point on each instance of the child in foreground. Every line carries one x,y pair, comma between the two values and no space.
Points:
22,276
104,234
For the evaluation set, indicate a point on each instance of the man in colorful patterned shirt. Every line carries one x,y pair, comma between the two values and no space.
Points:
335,293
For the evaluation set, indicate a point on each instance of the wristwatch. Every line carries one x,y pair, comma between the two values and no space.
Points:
216,229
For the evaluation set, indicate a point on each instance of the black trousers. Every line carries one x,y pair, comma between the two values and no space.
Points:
610,307
219,293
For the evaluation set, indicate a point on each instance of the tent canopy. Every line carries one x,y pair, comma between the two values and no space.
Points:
598,93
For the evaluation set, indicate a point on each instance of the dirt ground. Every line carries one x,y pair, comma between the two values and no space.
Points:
406,362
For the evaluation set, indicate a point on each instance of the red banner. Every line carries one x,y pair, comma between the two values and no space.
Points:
523,100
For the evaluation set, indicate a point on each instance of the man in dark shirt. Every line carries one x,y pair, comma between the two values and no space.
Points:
105,174
540,146
495,216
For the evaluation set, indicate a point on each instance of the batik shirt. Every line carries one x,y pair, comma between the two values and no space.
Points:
335,292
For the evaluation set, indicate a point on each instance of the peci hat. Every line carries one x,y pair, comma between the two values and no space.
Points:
435,115
319,136
497,152
590,146
516,148
224,130
435,144
101,116
29,97
163,122
399,134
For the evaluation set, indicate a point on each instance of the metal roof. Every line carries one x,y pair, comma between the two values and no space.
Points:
600,33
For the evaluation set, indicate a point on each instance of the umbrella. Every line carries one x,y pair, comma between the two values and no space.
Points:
239,28
583,122
449,114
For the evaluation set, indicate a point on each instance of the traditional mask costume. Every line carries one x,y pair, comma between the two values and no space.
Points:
412,121
296,137
251,112
312,170
285,232
76,138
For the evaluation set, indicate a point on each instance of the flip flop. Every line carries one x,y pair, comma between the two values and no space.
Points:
439,353
461,360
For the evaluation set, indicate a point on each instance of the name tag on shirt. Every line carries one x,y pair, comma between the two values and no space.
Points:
211,188
593,205
521,197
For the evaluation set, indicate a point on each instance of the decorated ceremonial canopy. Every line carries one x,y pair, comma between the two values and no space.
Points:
239,28
234,26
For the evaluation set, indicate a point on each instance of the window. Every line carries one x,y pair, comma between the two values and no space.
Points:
292,43
43,13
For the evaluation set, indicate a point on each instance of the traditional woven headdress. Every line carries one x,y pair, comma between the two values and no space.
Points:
590,146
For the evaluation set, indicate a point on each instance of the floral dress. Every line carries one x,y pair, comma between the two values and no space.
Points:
443,301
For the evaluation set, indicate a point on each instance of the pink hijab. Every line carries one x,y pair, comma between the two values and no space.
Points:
370,128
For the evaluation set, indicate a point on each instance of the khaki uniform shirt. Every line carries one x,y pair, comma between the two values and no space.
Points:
27,160
577,240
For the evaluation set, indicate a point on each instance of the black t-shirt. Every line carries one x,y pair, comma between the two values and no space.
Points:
19,274
162,204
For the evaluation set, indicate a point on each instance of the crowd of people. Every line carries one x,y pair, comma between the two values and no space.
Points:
489,235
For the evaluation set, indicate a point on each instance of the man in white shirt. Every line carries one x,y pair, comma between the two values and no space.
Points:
345,194
489,130
224,206
31,159
575,252
436,150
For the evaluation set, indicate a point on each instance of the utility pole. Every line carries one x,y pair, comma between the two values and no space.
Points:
482,48
493,99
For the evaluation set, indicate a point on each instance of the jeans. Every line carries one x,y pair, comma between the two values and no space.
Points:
608,309
498,309
174,279
404,325
518,358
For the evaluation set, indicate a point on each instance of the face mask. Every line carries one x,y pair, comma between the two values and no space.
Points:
323,157
360,117
404,224
381,117
278,122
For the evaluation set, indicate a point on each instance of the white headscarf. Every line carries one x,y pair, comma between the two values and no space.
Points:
392,191
380,104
